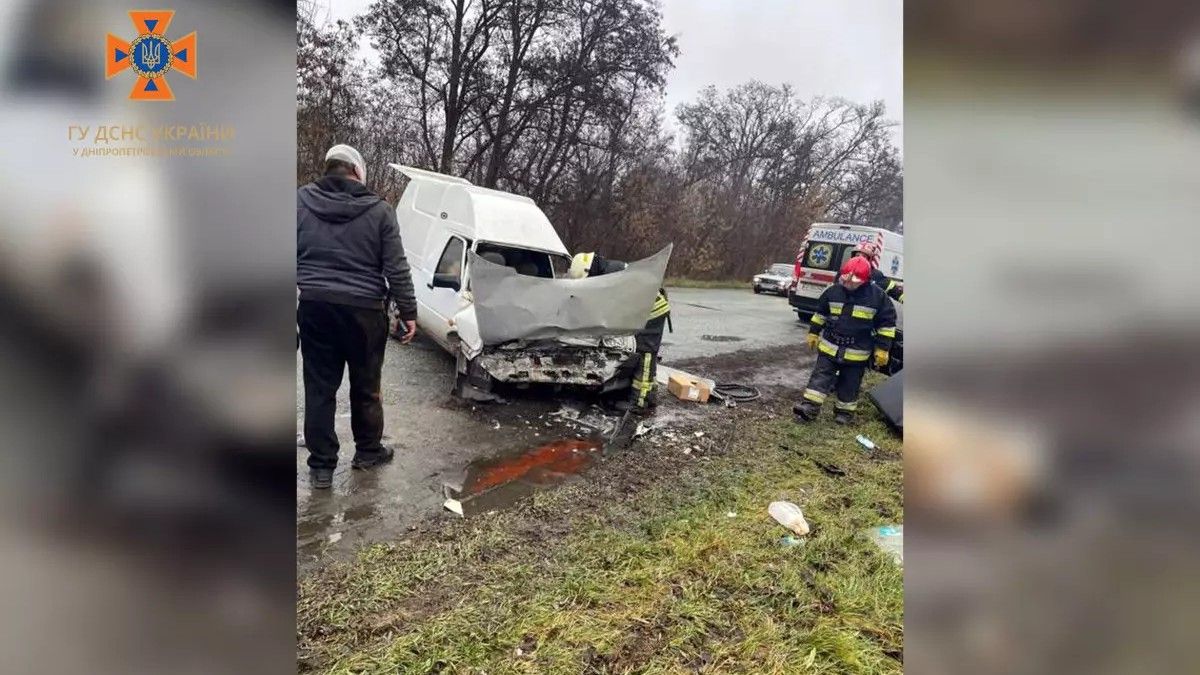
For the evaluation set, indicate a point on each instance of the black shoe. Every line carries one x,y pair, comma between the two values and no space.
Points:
805,413
322,479
843,418
374,459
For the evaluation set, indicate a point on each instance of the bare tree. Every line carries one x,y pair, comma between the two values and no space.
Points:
562,101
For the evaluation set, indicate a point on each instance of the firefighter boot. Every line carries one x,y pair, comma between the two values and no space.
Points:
806,411
843,417
649,404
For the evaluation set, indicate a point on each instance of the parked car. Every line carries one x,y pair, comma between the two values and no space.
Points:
489,272
775,279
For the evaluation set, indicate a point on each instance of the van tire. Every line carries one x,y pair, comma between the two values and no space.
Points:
757,290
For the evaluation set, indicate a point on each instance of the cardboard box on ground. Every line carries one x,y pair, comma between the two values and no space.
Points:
687,388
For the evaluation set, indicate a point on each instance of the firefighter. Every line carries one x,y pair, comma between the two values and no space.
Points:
870,251
643,394
853,318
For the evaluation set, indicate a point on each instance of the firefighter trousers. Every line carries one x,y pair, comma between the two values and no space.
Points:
843,379
645,371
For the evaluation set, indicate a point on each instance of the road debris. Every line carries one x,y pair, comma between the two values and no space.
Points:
865,442
453,506
790,540
687,388
890,540
732,394
664,373
789,515
831,469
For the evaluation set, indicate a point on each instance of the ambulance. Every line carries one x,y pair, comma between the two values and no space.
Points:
826,247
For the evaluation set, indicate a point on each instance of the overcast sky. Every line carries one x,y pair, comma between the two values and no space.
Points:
847,48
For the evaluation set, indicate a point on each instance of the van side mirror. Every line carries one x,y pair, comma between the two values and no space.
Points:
446,281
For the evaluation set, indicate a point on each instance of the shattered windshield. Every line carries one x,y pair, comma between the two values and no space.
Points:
524,261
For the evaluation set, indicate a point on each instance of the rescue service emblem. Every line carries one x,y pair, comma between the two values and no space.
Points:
151,55
895,265
820,255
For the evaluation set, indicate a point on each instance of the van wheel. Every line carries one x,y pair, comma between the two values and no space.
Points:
757,290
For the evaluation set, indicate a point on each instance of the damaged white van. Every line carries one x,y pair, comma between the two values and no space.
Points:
490,277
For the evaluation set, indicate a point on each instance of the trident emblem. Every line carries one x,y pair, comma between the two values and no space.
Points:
152,55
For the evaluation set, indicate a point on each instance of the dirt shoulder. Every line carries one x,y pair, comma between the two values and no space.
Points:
661,558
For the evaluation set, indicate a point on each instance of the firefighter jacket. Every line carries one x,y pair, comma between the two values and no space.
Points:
894,290
852,323
661,306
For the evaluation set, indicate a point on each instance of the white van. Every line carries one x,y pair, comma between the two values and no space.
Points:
489,274
826,247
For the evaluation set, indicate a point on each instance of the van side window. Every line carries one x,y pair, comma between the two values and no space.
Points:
451,261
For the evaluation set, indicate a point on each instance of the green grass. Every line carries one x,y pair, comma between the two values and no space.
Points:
680,282
664,581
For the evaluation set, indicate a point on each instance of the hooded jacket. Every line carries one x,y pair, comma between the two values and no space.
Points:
348,248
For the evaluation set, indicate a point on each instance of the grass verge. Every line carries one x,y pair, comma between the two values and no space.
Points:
684,573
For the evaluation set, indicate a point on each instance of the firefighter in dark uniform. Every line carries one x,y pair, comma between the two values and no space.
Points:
643,395
870,251
854,317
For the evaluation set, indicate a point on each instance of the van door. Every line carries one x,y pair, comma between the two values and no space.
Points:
444,303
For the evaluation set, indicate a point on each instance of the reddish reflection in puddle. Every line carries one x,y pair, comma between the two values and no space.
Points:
543,464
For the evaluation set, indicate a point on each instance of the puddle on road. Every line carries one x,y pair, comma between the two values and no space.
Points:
498,482
721,338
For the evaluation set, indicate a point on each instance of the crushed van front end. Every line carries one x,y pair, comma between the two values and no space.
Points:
593,364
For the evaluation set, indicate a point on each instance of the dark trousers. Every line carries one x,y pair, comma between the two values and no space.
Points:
332,337
829,375
648,342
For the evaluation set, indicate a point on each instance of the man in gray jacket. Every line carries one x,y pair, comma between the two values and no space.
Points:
349,261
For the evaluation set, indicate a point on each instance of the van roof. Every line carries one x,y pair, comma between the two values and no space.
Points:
480,213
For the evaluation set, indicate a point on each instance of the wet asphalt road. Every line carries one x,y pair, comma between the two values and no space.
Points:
436,436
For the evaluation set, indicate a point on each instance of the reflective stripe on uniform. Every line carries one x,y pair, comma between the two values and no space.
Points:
862,312
661,307
814,396
644,384
835,308
901,297
818,320
857,355
891,285
827,347
889,332
848,407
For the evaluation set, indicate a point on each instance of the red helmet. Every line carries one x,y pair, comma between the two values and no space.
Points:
869,250
858,268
